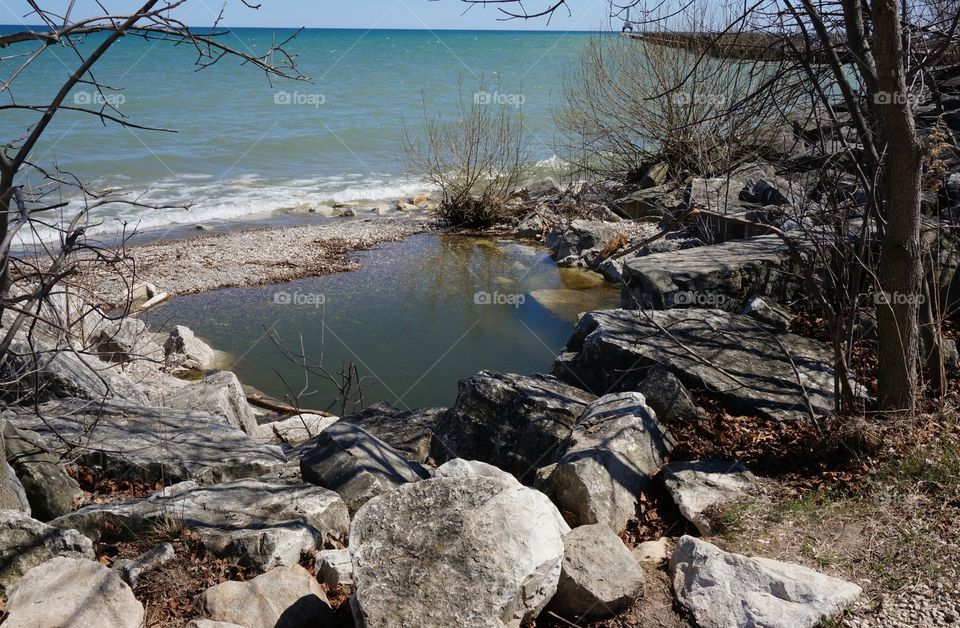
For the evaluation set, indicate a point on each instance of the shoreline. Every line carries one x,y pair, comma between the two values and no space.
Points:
254,256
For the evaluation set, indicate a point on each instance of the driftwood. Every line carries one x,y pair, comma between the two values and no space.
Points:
275,405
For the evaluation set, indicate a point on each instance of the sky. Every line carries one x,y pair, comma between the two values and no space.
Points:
416,14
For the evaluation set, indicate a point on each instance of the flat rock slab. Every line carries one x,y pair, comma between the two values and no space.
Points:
753,369
515,422
260,524
698,486
459,551
720,275
26,543
284,597
721,589
72,593
147,443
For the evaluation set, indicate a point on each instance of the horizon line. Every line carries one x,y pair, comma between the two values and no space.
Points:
363,28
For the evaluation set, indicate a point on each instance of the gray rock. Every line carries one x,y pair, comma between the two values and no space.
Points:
460,468
185,353
295,430
653,552
614,451
745,364
580,238
654,202
768,312
667,396
696,487
721,589
209,623
720,276
284,597
130,569
767,191
17,496
39,370
50,491
335,568
533,226
543,187
26,543
72,592
409,432
124,339
220,394
600,577
259,524
356,464
149,443
480,551
515,422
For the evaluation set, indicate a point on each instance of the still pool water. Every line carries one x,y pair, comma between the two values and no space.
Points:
416,318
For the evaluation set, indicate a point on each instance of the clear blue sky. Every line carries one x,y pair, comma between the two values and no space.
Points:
438,14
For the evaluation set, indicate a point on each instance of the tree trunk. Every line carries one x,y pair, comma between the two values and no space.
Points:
900,271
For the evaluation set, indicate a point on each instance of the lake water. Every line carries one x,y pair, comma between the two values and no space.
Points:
244,147
419,316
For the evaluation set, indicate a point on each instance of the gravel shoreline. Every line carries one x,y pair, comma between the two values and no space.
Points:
254,257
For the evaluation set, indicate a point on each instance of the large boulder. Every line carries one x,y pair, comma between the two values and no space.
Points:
667,396
13,495
38,370
220,394
26,542
284,597
295,430
476,551
72,592
704,485
259,524
581,242
187,355
148,443
410,432
123,340
356,464
721,589
720,276
599,578
752,369
615,450
515,422
49,489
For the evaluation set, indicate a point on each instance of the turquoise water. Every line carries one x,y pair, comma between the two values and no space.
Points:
410,319
240,150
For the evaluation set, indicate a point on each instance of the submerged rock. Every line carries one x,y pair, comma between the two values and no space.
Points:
721,589
480,551
72,592
750,368
515,422
259,524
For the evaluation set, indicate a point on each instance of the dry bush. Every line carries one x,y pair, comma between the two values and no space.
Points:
476,158
632,103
